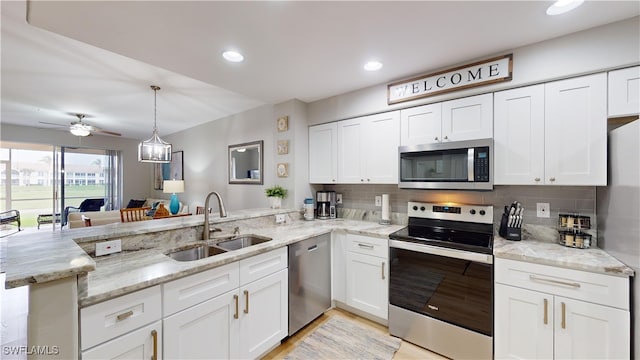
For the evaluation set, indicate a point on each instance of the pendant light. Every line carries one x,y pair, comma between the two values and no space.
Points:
154,150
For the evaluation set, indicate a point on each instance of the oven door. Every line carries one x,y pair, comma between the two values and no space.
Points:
450,285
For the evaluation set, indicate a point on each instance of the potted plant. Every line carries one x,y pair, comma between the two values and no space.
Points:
276,194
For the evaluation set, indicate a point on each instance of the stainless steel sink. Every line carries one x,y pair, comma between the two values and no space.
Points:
195,252
242,241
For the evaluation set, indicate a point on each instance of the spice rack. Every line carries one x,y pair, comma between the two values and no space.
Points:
570,230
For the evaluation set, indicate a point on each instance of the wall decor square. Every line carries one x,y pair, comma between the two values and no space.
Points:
283,147
282,170
283,123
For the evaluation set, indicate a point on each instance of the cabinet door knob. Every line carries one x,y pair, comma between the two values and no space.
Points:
334,180
436,138
361,180
552,179
537,179
368,180
446,138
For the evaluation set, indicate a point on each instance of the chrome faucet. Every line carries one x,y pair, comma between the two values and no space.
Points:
223,213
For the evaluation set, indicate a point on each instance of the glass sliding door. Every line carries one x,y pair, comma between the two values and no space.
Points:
40,181
87,174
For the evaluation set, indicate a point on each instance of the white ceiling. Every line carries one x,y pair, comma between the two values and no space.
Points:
305,50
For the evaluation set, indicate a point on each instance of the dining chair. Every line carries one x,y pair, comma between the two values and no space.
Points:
200,210
86,220
134,214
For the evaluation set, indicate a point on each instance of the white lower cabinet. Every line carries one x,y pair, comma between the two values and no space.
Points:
264,317
124,327
242,323
367,274
204,331
143,344
238,310
339,267
542,312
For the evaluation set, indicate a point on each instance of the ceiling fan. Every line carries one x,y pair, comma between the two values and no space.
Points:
81,128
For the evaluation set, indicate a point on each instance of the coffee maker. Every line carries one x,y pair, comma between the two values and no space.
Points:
326,205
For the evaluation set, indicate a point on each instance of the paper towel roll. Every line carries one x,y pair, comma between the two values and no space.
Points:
385,207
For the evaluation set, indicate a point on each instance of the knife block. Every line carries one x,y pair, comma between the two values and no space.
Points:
513,234
507,232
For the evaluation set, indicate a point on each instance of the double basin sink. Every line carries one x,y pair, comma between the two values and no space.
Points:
201,251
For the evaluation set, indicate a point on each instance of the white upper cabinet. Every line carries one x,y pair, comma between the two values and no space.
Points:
421,125
624,92
552,134
368,149
576,131
519,136
323,155
468,118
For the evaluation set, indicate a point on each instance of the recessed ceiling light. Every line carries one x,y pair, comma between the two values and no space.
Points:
232,56
373,66
563,6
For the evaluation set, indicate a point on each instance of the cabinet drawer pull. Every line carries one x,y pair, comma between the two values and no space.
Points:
546,303
366,246
124,316
246,301
554,282
235,298
154,335
383,270
564,318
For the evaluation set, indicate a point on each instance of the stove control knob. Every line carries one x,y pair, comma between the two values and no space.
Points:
472,211
482,212
422,208
415,208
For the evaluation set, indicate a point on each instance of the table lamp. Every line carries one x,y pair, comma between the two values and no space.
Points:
174,187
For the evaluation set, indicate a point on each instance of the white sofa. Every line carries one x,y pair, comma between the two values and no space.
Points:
112,216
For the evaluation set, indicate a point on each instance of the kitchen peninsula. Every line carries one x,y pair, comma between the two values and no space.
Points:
64,277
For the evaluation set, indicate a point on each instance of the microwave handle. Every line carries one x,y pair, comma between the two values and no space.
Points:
470,164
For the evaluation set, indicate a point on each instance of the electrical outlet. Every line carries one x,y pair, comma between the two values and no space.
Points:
339,199
543,210
378,200
108,247
280,218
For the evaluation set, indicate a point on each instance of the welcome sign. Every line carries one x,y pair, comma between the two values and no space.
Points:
480,73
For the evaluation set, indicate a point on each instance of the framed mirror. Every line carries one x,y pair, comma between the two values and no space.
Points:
246,163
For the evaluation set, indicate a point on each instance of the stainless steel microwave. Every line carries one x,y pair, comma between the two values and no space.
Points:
465,165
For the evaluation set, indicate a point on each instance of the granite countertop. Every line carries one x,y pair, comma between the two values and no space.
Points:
43,257
127,272
550,253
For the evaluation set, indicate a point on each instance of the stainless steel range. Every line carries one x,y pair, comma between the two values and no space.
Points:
441,279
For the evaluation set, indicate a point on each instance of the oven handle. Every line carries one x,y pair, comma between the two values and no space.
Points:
436,250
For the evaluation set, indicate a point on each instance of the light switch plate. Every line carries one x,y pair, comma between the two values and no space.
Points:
280,218
378,200
108,247
542,210
338,198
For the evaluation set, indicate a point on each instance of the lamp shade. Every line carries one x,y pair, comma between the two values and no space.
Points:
173,186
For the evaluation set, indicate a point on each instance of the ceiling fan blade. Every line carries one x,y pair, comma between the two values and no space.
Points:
106,132
49,123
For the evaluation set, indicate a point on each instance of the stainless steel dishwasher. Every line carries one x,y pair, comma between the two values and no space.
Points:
309,280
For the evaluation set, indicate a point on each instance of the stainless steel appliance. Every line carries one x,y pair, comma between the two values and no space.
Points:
618,209
466,165
326,205
441,279
309,280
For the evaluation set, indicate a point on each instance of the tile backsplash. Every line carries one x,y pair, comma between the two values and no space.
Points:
569,199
